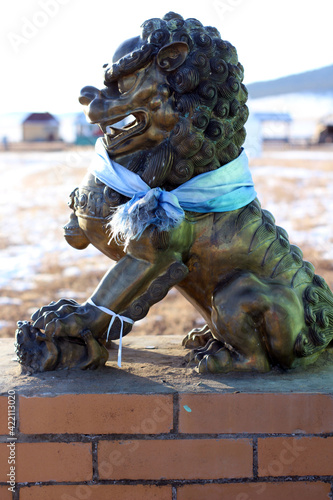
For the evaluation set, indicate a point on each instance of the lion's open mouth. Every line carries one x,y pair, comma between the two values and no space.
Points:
116,132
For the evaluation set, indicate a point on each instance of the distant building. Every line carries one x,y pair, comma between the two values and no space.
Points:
307,97
267,126
40,127
253,141
274,126
324,132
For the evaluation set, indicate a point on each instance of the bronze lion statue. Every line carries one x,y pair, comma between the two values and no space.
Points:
170,198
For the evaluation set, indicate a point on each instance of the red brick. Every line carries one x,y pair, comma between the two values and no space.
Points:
97,414
256,413
288,456
256,491
5,494
53,462
175,459
3,415
98,492
4,465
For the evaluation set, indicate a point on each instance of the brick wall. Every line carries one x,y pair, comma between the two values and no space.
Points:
170,447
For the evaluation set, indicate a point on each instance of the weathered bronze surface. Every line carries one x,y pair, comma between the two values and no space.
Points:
264,306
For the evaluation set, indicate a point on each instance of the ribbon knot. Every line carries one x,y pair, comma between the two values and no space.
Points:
113,317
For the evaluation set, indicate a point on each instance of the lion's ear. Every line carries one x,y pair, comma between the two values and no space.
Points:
171,56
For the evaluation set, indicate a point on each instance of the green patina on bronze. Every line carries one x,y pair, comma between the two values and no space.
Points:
264,306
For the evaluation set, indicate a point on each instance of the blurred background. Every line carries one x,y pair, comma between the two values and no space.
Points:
52,48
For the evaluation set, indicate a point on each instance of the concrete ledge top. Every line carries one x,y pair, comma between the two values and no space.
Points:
155,364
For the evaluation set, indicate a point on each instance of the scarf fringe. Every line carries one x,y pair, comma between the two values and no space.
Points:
129,221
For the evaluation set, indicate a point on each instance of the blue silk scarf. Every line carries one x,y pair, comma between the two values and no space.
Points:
227,188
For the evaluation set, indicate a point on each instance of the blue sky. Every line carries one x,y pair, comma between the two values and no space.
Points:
52,48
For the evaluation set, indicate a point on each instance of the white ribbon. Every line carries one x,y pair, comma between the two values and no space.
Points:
114,316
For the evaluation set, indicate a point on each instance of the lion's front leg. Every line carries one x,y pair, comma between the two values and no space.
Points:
125,294
59,337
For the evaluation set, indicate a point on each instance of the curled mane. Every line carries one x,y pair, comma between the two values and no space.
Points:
318,301
208,93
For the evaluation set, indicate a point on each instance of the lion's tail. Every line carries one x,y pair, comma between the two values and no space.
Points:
318,310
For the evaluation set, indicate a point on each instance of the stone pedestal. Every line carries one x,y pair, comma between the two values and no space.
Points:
156,429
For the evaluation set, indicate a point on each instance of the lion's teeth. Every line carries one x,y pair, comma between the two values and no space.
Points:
109,130
118,126
129,119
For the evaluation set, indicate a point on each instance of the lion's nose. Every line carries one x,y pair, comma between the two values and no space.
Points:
87,95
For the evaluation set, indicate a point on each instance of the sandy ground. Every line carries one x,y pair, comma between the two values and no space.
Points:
37,265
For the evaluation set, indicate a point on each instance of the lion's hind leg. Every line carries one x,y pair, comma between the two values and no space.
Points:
256,323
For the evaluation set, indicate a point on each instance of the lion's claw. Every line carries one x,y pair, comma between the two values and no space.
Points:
198,337
211,348
219,362
52,307
214,357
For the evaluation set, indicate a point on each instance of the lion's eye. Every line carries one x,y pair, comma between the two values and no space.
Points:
125,83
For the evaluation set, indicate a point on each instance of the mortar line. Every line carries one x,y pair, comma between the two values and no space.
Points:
94,445
175,429
88,438
255,457
180,482
16,494
174,493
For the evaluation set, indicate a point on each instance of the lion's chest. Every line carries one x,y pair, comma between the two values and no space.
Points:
93,204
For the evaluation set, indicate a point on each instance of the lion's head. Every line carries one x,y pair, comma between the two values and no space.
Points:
183,85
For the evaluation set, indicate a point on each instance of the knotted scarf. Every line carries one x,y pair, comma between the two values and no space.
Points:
227,188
